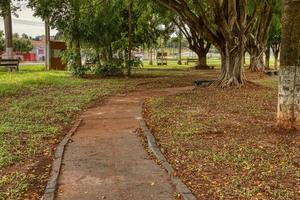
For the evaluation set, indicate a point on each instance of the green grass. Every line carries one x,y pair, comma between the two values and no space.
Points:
37,106
213,61
31,77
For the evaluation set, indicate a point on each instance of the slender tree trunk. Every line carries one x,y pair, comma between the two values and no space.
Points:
47,45
288,115
110,53
78,52
276,49
267,53
151,56
276,59
8,34
129,38
180,49
98,57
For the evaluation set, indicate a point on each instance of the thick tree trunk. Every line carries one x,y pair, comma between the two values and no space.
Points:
288,115
202,60
256,60
232,67
267,53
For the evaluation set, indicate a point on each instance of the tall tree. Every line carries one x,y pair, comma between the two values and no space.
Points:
65,16
130,37
289,85
227,29
257,41
179,48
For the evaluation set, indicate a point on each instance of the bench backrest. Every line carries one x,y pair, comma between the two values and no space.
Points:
9,62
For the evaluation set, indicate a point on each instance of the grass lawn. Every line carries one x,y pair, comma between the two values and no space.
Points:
38,107
224,143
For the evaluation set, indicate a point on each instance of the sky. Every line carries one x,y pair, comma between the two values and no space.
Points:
26,22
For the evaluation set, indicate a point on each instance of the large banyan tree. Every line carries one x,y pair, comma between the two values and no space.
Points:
226,24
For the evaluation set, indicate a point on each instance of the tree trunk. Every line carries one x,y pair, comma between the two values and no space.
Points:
129,38
47,44
179,49
276,54
98,57
267,53
110,53
232,66
151,56
78,52
256,60
8,34
288,115
202,60
276,49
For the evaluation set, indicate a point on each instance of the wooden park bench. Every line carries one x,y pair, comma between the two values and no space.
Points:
191,60
11,63
271,72
202,82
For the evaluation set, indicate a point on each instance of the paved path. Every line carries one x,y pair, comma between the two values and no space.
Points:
106,160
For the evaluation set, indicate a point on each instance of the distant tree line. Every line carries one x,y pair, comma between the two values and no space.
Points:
21,44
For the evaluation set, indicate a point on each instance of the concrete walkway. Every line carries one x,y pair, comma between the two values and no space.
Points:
106,160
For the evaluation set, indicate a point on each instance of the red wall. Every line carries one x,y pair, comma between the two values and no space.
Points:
31,57
25,57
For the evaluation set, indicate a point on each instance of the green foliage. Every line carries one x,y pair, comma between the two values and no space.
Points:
22,44
113,68
275,29
70,58
2,41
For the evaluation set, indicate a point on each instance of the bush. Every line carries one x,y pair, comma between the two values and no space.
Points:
113,68
70,58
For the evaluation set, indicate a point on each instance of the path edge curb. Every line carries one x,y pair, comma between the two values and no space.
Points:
181,188
51,187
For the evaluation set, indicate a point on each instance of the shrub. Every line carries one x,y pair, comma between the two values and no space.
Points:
113,68
70,58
